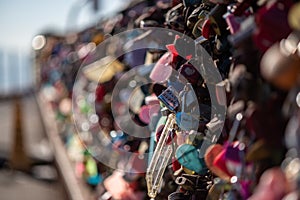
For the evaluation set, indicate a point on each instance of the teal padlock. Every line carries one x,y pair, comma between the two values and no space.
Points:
188,156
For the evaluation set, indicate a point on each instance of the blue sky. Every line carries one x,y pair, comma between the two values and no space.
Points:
21,20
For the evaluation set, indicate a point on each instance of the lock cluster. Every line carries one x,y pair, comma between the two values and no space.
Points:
182,99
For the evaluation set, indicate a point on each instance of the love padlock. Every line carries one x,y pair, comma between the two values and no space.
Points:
211,153
241,6
264,35
169,98
188,156
197,29
207,30
162,70
280,64
233,21
174,18
191,74
199,13
217,21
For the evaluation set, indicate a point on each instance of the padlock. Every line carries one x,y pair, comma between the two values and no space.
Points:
270,129
194,183
265,36
185,183
235,161
291,166
198,13
188,156
217,21
197,29
241,38
211,153
186,121
272,185
147,112
243,5
259,151
207,29
244,86
292,136
174,18
162,70
294,16
193,17
220,159
195,138
175,165
191,74
220,163
280,64
169,98
233,22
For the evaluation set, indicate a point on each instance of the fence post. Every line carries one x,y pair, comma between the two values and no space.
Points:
18,159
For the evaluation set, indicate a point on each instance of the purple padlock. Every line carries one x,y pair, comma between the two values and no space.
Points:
233,22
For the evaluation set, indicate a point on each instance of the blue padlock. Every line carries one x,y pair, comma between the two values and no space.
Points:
186,121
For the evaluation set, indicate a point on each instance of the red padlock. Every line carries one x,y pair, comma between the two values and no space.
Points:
207,30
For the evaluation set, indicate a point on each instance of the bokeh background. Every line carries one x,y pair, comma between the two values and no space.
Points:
20,21
34,175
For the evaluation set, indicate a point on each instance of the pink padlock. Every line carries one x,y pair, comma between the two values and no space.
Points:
162,69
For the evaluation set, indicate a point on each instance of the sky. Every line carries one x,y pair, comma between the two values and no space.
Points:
21,20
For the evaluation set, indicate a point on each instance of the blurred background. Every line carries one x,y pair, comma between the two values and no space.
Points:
28,169
21,21
60,137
